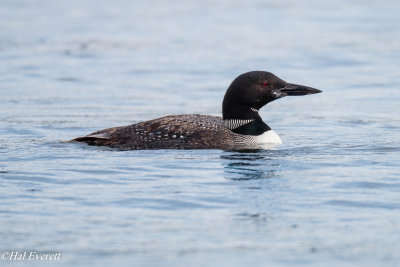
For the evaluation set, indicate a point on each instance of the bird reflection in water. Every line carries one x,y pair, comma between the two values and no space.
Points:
252,164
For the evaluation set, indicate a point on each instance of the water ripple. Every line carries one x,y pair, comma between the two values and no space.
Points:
359,204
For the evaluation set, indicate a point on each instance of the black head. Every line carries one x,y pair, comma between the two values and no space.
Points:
250,91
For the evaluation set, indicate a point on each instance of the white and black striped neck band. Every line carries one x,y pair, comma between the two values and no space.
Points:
232,124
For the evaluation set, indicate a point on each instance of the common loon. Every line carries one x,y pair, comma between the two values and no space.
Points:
240,126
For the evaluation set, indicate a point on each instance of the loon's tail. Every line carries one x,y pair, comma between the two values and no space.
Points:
94,139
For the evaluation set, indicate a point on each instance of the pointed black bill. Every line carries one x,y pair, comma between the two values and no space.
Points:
296,89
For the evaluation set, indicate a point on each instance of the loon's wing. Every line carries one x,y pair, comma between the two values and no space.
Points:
176,131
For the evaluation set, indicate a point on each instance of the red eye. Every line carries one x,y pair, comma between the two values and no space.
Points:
264,84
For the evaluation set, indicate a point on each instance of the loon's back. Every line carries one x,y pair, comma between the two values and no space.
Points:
176,131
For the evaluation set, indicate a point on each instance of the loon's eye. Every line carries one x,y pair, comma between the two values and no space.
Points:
264,84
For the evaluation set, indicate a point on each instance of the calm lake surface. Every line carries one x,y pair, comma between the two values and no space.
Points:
330,195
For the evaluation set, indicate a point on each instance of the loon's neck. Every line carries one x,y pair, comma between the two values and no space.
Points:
244,121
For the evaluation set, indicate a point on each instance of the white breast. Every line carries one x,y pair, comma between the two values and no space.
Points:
269,137
267,140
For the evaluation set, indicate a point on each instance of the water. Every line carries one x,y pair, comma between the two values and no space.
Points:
330,195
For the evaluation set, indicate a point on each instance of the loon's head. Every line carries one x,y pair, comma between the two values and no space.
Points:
250,91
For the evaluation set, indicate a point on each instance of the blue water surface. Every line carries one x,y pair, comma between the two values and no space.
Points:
329,196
